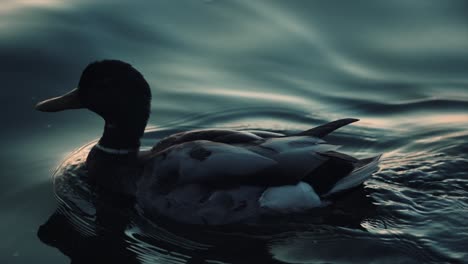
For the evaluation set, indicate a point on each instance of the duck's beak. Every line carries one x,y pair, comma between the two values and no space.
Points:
69,100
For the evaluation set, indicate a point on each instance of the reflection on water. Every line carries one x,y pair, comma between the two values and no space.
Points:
399,66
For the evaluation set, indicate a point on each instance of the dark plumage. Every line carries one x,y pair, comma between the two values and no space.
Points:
213,176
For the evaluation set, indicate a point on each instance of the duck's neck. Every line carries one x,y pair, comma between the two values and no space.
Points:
113,163
121,138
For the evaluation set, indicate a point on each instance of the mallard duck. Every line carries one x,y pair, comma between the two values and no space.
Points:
210,176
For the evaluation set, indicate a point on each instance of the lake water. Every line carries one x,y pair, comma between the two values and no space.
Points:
399,66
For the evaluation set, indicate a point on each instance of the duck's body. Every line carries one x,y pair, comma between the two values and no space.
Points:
216,176
227,176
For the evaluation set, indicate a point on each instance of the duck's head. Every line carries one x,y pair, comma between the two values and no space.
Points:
118,93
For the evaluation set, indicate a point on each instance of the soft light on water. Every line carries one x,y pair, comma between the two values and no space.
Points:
399,66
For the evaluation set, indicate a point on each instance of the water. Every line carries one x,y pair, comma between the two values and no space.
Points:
399,66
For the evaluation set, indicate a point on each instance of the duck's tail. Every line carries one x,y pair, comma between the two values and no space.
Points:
362,171
327,128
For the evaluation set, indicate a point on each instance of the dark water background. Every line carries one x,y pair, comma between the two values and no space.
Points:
399,66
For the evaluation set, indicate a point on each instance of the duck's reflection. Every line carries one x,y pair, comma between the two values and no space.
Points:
107,245
171,243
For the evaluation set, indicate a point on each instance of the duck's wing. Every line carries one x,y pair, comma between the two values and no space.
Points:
255,161
227,136
325,129
230,136
301,158
272,162
312,160
206,162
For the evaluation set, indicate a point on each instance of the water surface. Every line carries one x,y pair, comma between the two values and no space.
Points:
399,66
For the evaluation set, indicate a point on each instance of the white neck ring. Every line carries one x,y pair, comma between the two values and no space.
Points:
115,151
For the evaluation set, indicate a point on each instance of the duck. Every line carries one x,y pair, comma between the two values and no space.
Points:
205,176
